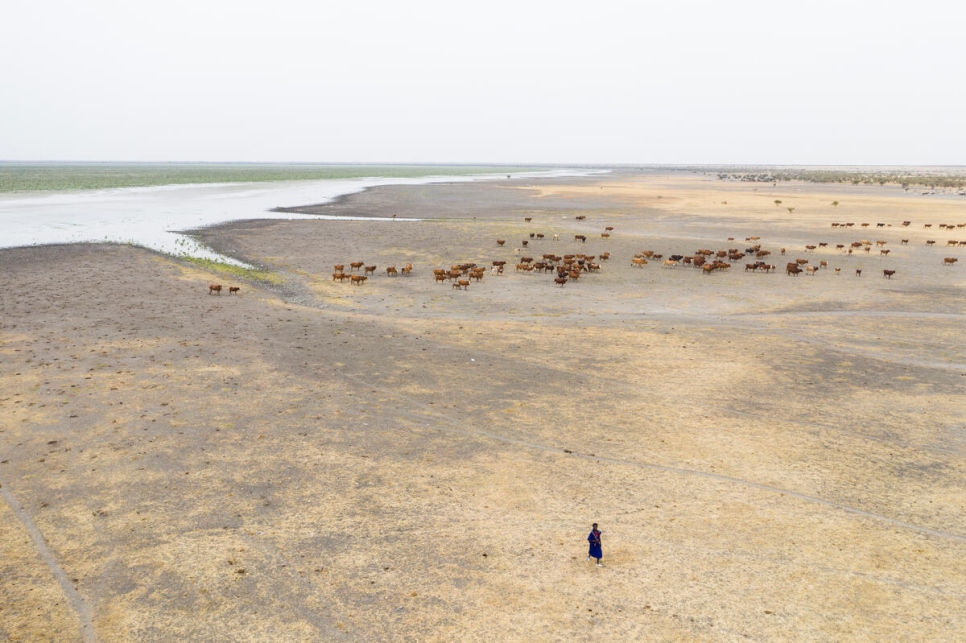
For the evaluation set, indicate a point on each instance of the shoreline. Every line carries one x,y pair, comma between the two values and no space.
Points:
151,216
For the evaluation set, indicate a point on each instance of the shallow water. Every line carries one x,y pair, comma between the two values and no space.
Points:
154,217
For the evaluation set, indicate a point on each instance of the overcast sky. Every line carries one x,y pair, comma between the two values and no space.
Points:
692,81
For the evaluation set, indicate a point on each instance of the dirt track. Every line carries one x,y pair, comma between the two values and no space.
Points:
768,456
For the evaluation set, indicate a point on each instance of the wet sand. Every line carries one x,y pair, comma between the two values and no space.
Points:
769,457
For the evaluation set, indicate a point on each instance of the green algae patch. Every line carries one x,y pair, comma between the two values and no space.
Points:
232,270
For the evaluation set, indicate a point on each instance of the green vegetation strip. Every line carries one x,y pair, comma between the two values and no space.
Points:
30,177
231,270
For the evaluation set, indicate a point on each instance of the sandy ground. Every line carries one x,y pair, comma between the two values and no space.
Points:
769,457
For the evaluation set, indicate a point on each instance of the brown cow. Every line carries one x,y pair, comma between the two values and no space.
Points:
339,267
214,288
462,283
233,289
792,269
528,219
407,269
370,269
340,276
355,265
357,279
391,271
888,273
560,281
948,261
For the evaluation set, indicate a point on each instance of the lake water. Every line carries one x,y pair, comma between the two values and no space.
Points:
153,216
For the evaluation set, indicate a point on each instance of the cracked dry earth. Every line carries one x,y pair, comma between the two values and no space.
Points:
769,457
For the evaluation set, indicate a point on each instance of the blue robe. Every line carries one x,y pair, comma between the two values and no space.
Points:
594,539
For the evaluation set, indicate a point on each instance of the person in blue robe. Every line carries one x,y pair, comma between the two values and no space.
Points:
595,550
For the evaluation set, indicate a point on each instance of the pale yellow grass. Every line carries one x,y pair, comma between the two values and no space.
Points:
707,196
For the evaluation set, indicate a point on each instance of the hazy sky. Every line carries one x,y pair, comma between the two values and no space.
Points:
815,82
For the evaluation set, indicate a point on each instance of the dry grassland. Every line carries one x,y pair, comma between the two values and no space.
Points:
769,457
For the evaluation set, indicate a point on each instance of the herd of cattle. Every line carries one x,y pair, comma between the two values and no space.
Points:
709,260
569,267
341,275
